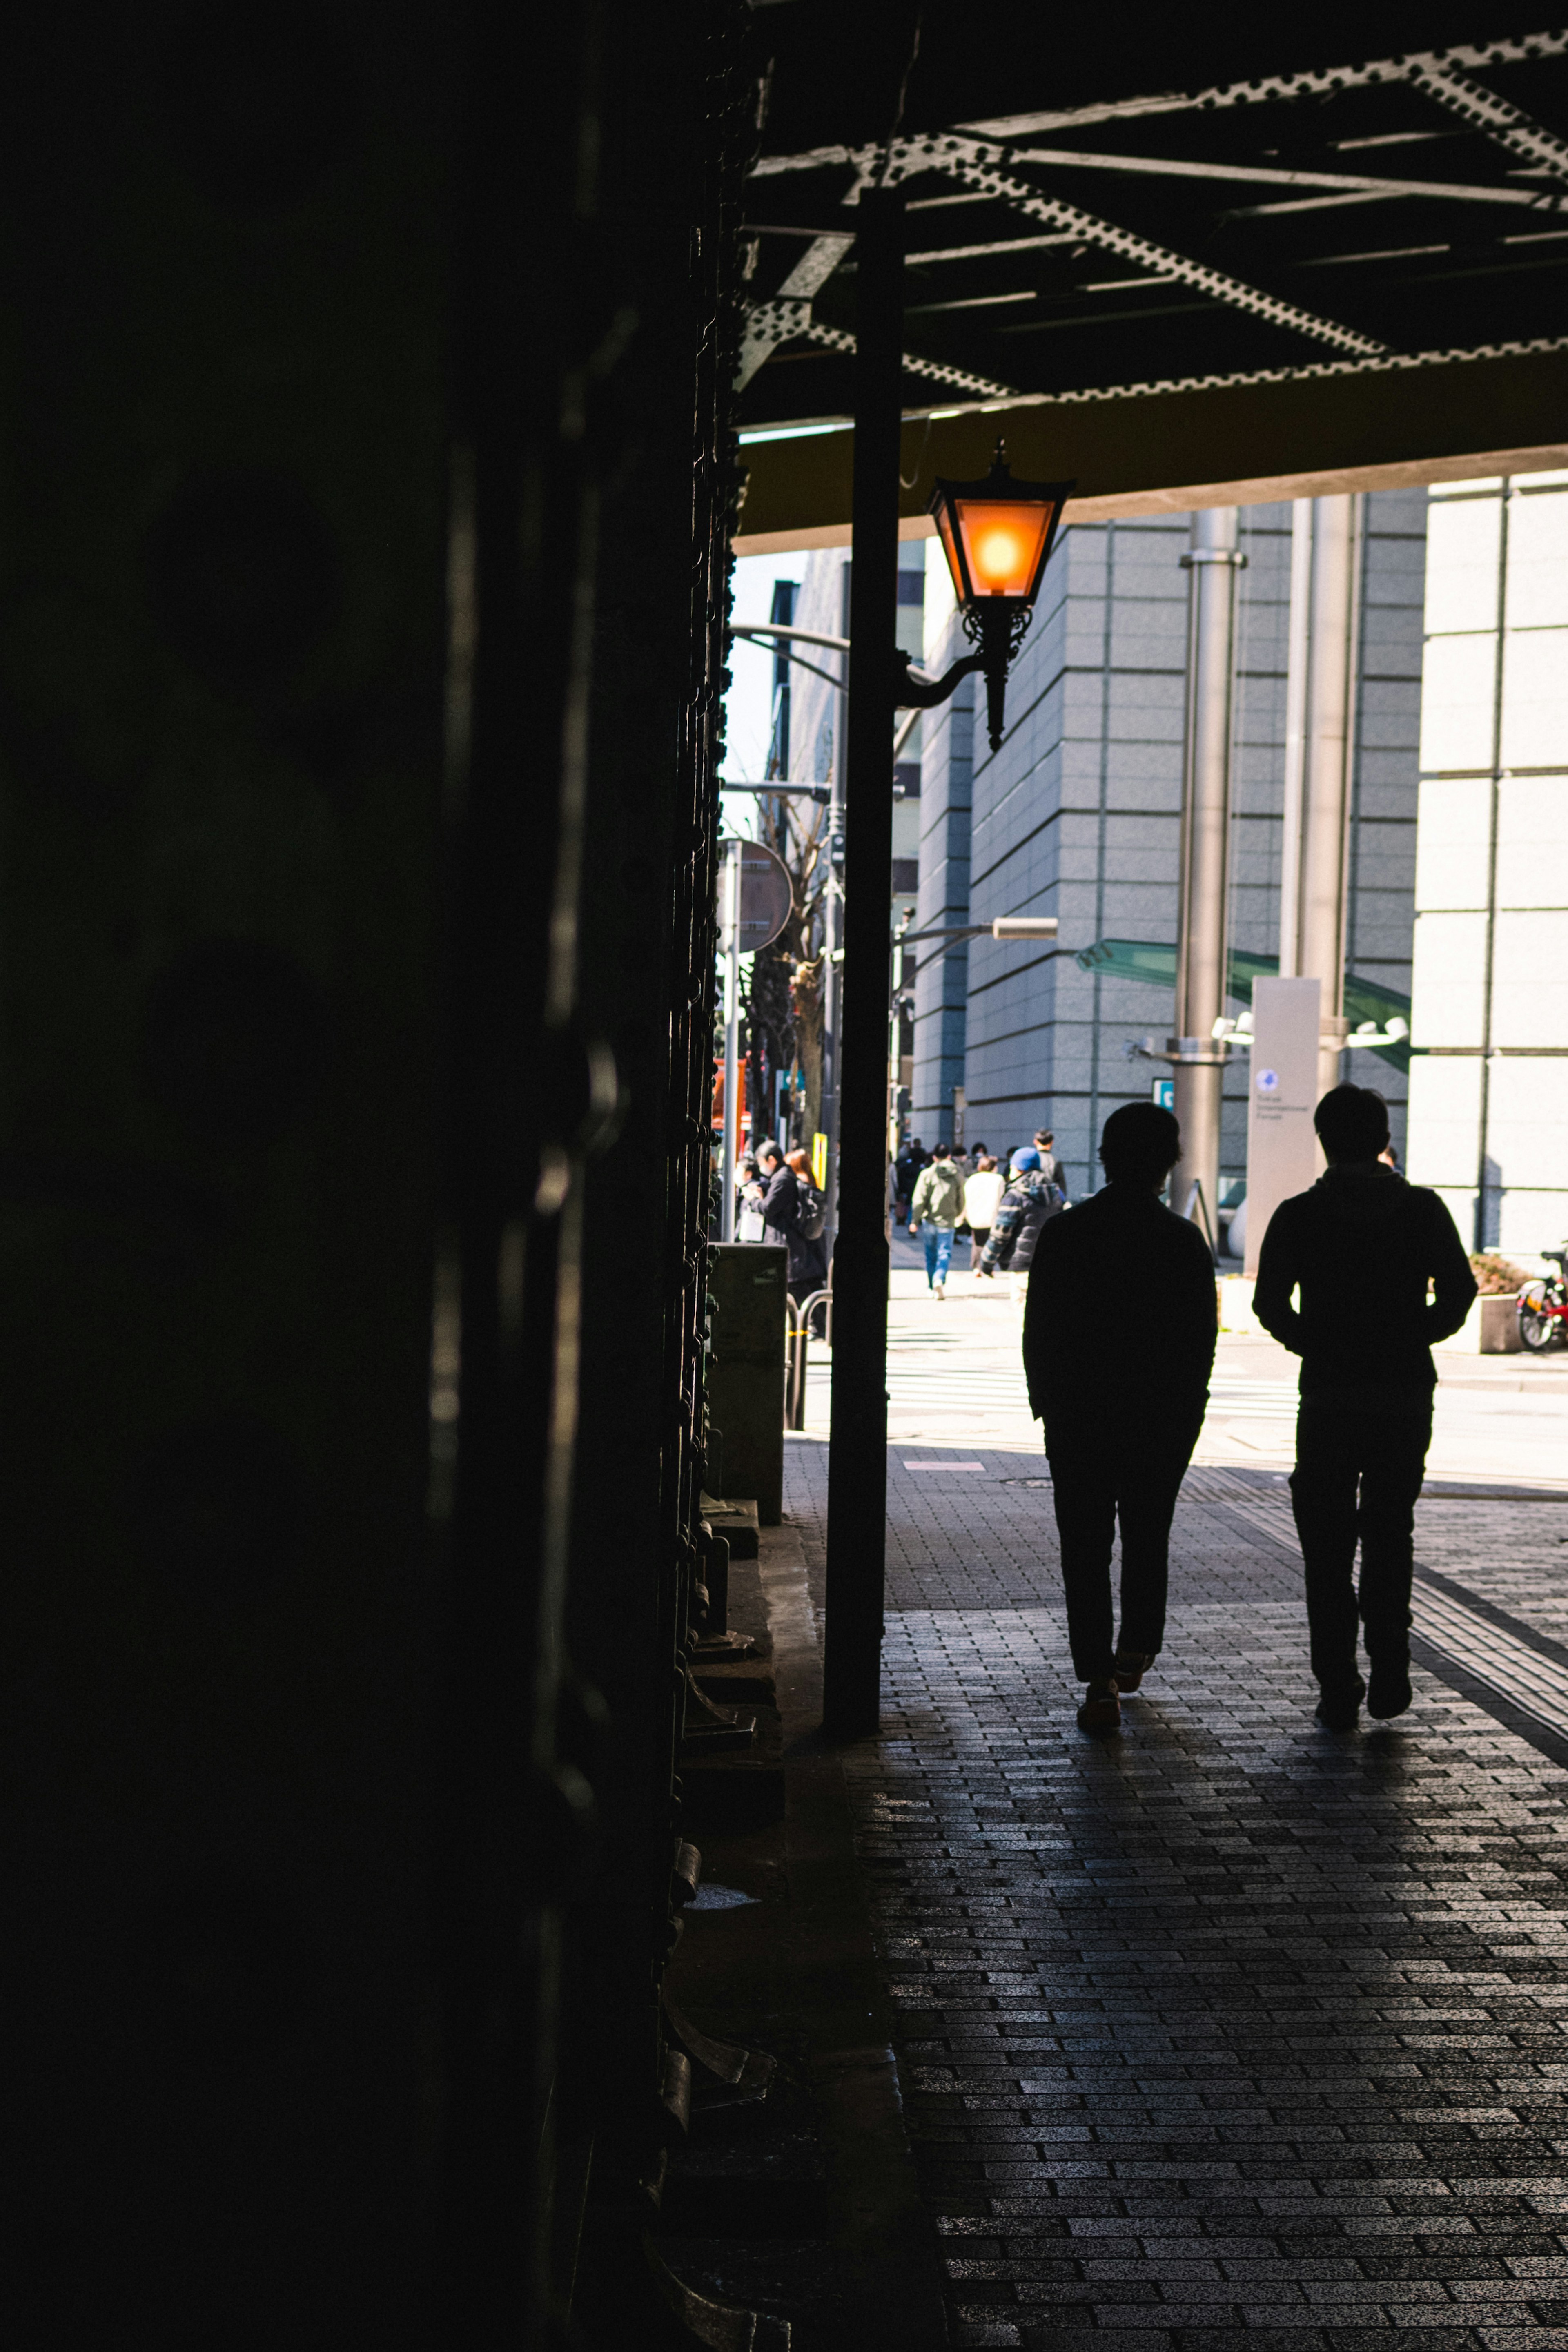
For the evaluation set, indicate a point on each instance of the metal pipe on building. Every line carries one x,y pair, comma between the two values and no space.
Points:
1298,643
857,1456
833,933
1333,631
1213,561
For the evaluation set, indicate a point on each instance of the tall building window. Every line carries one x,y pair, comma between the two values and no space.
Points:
1489,1076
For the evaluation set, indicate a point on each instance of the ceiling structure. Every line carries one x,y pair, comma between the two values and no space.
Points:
1322,270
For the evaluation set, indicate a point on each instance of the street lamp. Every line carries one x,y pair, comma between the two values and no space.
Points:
997,534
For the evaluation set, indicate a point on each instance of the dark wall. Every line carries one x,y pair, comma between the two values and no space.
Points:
365,486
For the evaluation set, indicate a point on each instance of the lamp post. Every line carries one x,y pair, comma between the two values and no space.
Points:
997,534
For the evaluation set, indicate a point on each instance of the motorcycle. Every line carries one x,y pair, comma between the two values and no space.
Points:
1544,1307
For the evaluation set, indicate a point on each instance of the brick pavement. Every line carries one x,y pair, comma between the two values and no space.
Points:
1228,2030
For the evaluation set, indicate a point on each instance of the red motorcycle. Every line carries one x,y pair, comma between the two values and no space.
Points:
1544,1307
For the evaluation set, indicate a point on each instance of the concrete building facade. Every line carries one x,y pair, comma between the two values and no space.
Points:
1078,814
1488,1104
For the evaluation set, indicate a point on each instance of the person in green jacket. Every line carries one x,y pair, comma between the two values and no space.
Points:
937,1207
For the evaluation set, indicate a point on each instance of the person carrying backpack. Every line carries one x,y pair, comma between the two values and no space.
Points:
807,1243
936,1206
1030,1201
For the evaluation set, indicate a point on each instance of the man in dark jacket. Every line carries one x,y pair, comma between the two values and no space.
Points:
1361,1245
905,1168
1029,1200
1121,1413
780,1199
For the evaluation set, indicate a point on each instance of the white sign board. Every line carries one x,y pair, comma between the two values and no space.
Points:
1282,1154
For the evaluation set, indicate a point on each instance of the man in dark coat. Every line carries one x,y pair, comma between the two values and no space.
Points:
1121,1411
780,1199
1362,1245
905,1168
1029,1200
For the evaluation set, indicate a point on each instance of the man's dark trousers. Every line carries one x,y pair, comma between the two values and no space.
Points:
1341,1449
1096,1479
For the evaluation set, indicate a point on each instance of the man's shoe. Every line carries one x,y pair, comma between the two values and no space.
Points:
1388,1689
1341,1710
1130,1668
1102,1709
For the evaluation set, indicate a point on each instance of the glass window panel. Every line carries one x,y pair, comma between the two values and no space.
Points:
1538,563
1445,1128
1531,842
1535,699
1453,832
1530,978
1527,1134
1447,980
1458,688
1462,538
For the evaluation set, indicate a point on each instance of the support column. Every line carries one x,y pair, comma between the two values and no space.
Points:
1199,1064
857,1460
730,883
834,928
1321,862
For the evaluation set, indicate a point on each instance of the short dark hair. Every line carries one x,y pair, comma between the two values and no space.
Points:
1352,1122
1140,1143
769,1152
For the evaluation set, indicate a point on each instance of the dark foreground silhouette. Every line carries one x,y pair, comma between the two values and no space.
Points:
1361,1246
1119,1335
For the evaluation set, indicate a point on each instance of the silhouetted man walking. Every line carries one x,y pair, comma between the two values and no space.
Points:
1361,1245
1118,1343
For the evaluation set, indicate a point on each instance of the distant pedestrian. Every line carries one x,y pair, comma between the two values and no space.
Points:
982,1192
1362,1246
905,1168
1121,1420
808,1248
1030,1201
780,1199
1051,1166
750,1190
934,1209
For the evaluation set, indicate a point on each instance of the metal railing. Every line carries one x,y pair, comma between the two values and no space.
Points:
797,1350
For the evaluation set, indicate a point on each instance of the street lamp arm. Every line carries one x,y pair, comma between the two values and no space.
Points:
1005,926
800,636
797,661
913,692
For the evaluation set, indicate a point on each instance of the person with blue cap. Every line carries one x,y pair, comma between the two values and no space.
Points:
1030,1201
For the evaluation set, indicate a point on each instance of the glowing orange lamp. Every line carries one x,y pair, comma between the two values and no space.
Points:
997,534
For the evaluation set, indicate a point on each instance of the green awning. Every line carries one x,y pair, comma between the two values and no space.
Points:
1156,961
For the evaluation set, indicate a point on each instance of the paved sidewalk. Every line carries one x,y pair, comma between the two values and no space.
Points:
1226,2032
954,1378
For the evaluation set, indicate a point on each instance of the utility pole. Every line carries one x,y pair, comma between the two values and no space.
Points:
857,1459
1197,1060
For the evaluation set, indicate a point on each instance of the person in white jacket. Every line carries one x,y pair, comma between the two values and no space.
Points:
982,1191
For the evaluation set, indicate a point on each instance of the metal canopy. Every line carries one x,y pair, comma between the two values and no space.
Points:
1375,226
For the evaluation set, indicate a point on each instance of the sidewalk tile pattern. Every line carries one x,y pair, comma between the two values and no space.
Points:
1228,2032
